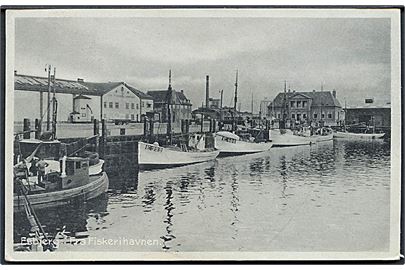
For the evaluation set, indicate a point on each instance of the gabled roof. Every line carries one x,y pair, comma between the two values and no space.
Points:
160,96
137,92
40,84
81,97
318,97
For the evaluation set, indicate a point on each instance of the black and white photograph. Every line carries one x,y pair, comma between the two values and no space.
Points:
183,134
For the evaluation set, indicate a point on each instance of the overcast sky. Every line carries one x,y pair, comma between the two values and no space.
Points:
349,55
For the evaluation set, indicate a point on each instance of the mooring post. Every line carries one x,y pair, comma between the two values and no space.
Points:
145,127
202,123
103,138
96,127
38,129
150,129
96,132
26,128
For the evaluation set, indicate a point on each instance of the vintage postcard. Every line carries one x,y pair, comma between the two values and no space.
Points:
194,134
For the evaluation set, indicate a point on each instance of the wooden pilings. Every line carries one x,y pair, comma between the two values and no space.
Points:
26,128
38,129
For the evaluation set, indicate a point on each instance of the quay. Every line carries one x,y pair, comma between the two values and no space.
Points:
117,145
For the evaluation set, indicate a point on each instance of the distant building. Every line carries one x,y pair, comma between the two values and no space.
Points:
310,107
214,103
264,108
125,102
180,105
80,101
82,111
371,113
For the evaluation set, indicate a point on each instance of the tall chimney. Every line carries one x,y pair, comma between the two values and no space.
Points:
207,91
334,93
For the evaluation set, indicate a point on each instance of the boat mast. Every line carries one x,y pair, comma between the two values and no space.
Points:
48,115
54,105
169,114
235,101
284,105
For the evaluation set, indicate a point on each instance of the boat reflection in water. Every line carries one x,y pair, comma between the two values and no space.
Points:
303,198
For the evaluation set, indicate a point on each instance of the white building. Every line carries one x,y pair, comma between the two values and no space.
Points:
79,101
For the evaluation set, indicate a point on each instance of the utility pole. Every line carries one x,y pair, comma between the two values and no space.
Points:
222,96
48,115
235,101
252,105
169,114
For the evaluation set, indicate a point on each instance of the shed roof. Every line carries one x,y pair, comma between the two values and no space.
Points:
40,84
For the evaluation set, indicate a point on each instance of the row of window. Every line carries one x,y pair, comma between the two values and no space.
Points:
127,116
117,105
299,104
304,115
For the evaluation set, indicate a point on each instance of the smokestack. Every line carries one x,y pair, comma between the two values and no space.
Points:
207,91
334,93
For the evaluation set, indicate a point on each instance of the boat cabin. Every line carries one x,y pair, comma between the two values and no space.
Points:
76,172
228,136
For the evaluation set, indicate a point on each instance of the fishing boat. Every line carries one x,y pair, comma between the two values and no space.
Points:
49,151
286,137
358,136
72,180
230,144
62,176
155,156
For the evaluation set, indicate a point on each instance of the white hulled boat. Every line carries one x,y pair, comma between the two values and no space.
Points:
359,136
286,137
231,144
153,156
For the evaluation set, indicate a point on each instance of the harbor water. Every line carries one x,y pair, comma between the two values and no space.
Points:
332,196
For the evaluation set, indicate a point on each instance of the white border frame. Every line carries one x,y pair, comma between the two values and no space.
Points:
395,210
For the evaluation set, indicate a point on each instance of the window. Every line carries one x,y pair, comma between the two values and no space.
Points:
137,106
78,165
292,104
298,104
132,106
110,104
304,104
83,115
132,117
315,115
105,104
293,115
323,115
117,105
127,105
137,117
70,169
298,116
329,115
148,105
279,116
304,116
